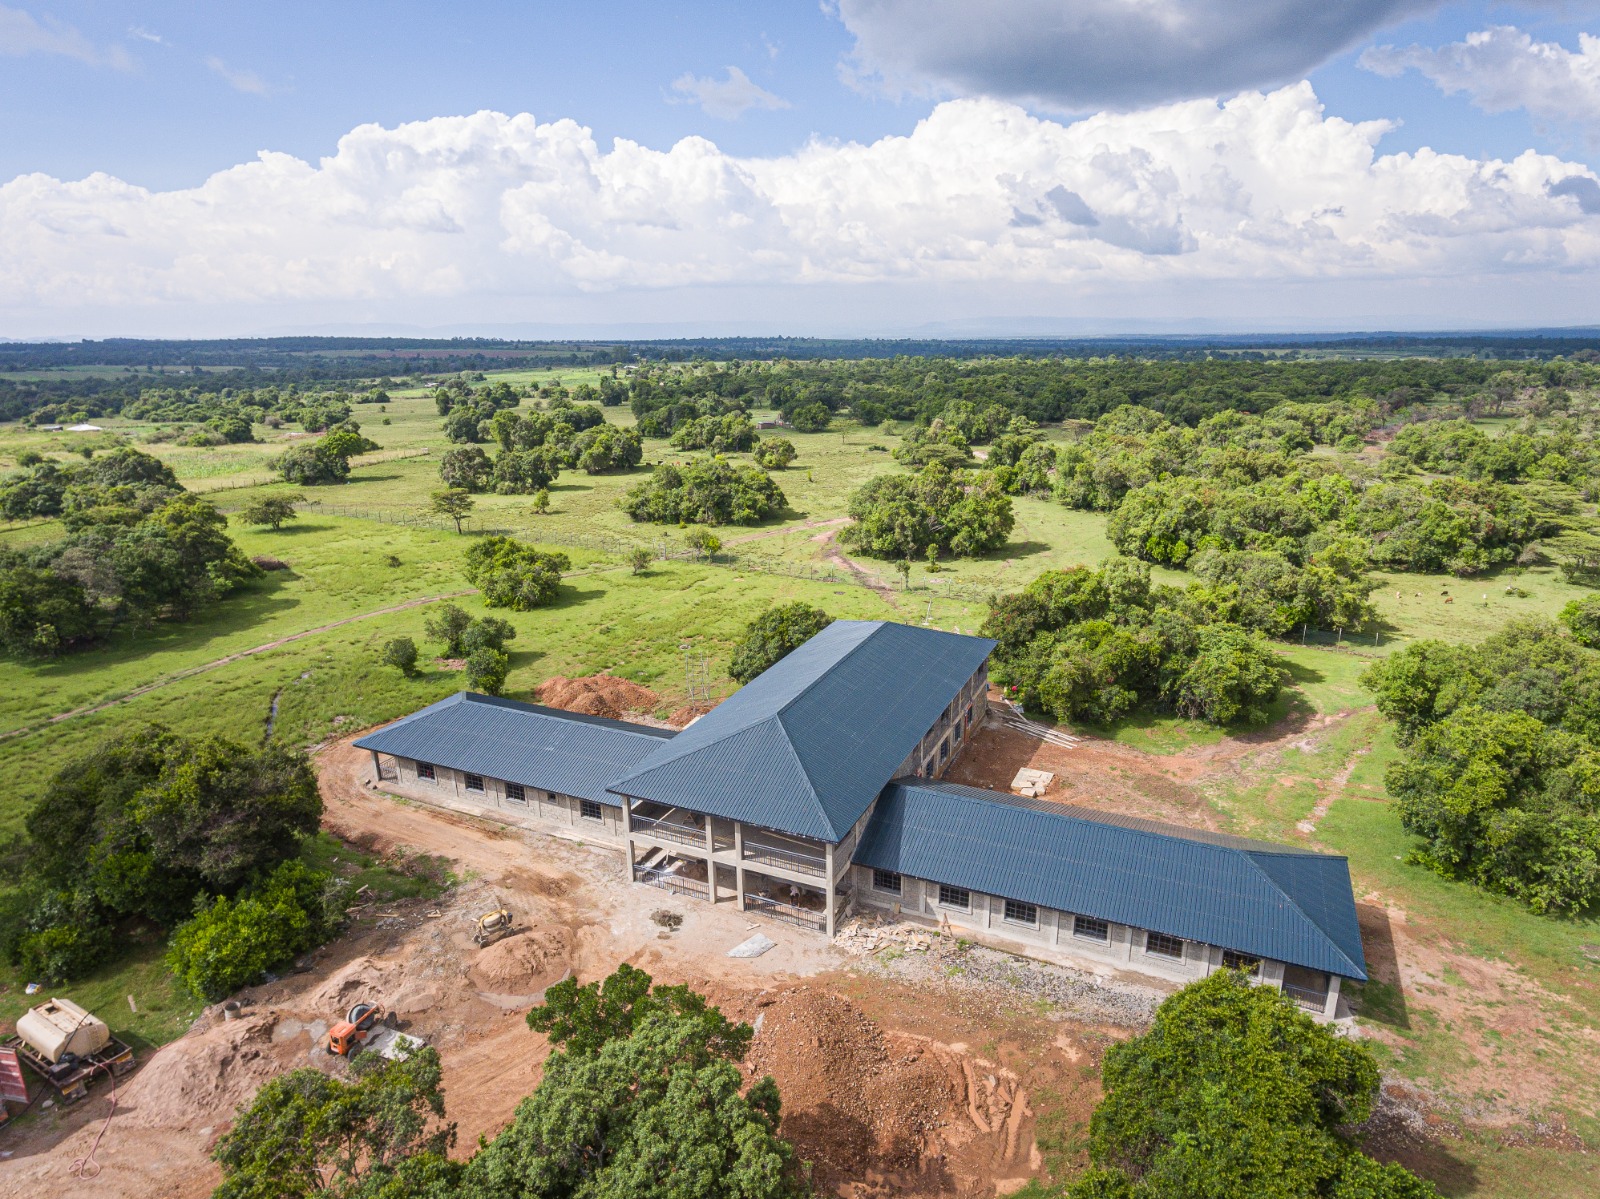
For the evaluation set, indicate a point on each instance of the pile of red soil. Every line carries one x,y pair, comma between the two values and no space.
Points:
878,1109
598,695
681,717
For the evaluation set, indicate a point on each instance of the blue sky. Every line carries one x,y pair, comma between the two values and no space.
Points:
1105,200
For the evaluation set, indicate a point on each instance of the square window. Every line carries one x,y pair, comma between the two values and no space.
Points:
515,793
472,782
886,880
589,810
1241,961
1163,946
1021,913
1091,929
425,771
955,897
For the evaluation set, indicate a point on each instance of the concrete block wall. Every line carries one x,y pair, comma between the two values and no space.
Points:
543,811
1051,938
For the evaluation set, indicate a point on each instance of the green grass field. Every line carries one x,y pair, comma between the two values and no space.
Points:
327,681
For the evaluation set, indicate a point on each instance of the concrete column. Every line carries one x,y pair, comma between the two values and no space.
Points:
738,867
1331,1008
711,858
830,891
627,836
377,768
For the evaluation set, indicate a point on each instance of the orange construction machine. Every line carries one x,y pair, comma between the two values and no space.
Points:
364,1022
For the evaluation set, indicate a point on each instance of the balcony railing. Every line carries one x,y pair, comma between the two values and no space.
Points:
787,912
669,830
666,880
1316,1001
790,859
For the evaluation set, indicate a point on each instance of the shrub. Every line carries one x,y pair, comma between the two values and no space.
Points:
513,574
488,632
774,453
1233,677
1234,1092
809,418
772,636
709,492
524,472
607,448
401,653
448,623
467,469
639,561
231,943
486,670
271,512
1582,619
311,466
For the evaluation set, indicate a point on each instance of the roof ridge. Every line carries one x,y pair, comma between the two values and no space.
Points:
1064,811
1300,911
798,695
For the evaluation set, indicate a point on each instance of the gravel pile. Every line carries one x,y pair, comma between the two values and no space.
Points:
913,954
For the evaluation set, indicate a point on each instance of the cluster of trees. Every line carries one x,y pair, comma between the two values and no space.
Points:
536,446
326,460
773,635
1050,389
195,835
1242,481
513,574
1500,772
728,434
1236,1094
708,491
480,642
642,1096
1555,449
934,511
138,549
1098,646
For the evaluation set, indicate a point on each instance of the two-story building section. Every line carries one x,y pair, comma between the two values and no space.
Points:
814,790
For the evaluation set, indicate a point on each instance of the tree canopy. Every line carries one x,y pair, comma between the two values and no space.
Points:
513,574
708,491
1236,1094
772,635
961,513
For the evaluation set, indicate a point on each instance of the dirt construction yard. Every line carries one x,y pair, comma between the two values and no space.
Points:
893,1082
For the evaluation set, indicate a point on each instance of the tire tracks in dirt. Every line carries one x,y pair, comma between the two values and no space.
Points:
192,671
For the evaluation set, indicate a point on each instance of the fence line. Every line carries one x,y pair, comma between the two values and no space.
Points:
238,482
662,549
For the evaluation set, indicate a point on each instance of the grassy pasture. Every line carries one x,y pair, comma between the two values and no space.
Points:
329,682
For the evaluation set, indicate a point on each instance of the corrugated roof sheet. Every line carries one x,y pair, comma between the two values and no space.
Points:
1257,898
565,752
806,745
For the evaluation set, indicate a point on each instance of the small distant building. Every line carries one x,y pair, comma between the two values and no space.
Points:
83,429
815,791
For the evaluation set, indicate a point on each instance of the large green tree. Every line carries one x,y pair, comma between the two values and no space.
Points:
1236,1094
773,635
962,513
512,574
307,1135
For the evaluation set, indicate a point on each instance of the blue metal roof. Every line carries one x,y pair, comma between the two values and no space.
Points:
564,752
1270,901
806,746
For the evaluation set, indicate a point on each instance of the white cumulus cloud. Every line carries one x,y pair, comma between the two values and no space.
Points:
1502,69
726,99
1263,188
1078,55
22,33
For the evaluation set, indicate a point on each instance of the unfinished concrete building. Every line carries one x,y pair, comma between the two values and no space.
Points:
814,790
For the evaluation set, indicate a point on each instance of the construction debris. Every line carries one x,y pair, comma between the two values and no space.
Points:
753,948
1012,716
1030,783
